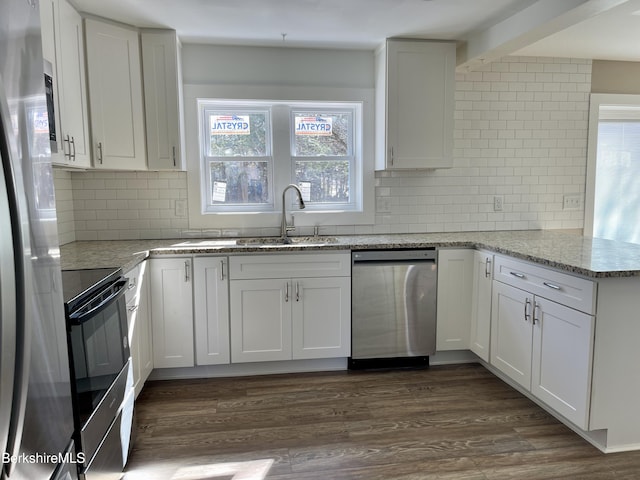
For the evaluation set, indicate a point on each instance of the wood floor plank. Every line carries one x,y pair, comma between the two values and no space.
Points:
447,422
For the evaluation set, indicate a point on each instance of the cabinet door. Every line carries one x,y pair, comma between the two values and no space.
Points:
115,96
162,93
72,86
562,359
145,333
511,332
211,310
481,305
260,320
140,333
455,279
321,317
172,312
420,103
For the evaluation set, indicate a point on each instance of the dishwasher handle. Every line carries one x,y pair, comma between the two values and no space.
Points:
396,256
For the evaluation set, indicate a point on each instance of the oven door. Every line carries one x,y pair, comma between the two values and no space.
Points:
99,346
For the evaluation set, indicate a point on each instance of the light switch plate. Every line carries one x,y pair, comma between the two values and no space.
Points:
572,202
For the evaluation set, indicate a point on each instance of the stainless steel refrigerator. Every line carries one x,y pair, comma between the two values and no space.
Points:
36,421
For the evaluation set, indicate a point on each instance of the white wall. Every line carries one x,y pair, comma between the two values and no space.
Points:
520,132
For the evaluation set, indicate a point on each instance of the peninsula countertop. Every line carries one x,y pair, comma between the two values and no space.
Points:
591,257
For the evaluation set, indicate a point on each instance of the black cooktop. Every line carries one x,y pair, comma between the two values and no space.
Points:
78,284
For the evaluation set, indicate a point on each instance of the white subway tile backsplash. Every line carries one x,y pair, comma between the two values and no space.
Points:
520,131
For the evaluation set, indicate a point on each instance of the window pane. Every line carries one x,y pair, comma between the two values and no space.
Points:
329,180
239,182
617,193
322,134
238,134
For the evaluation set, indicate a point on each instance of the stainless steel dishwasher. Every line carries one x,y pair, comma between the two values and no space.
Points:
393,308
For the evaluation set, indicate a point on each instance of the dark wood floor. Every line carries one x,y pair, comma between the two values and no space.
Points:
454,422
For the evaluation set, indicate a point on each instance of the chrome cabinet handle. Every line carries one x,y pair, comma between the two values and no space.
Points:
286,292
391,155
186,271
221,269
67,141
536,308
133,308
527,304
516,274
100,152
551,285
173,153
487,267
73,144
297,291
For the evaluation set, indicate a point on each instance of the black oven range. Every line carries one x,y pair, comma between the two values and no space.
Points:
101,371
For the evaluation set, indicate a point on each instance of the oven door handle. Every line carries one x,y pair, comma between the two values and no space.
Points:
80,316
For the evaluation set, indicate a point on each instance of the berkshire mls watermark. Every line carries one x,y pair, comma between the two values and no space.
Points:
55,458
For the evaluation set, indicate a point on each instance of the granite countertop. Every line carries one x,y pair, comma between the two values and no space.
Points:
591,257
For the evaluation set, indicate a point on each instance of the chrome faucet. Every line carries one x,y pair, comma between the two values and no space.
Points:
284,226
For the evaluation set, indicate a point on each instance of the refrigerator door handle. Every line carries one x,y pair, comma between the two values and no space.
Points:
21,310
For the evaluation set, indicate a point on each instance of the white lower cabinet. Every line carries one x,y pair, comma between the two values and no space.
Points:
321,313
190,310
289,307
260,320
455,274
140,333
544,346
562,359
211,310
512,332
172,312
480,335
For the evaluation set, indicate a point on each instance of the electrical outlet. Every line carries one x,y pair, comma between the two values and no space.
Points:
383,205
572,202
181,208
498,201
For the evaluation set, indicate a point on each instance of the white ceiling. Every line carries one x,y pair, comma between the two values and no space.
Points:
603,29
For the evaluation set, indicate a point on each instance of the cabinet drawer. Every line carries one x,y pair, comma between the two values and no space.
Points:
290,265
574,292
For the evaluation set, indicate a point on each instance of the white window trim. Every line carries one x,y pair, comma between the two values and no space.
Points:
263,220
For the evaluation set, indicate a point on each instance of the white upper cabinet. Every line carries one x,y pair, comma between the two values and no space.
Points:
115,96
415,86
63,46
163,99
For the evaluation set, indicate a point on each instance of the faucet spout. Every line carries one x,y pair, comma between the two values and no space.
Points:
284,227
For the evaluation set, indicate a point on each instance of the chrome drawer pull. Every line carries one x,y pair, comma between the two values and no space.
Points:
527,304
516,274
551,285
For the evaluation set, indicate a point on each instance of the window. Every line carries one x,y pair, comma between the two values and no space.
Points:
250,151
322,153
613,186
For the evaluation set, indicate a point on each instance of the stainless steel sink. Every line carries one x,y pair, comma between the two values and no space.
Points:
275,241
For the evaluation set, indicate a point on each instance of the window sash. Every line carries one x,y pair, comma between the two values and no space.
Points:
275,134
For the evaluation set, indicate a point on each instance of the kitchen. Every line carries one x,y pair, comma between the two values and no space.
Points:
521,125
